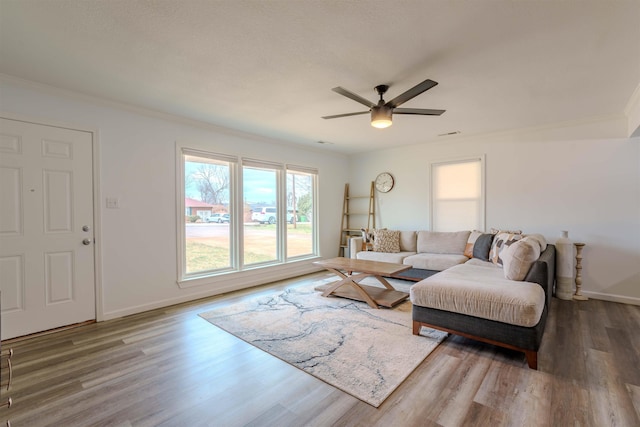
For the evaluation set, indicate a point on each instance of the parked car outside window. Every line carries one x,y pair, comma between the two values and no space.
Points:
219,218
268,215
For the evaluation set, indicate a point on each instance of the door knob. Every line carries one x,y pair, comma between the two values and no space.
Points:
86,241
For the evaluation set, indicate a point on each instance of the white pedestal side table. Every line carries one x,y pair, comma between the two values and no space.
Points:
578,295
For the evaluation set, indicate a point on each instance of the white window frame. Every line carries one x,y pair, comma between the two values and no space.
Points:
451,161
181,153
236,204
314,213
281,223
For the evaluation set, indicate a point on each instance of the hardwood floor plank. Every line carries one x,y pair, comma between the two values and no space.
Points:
463,385
610,401
634,394
570,404
590,317
505,387
483,416
627,356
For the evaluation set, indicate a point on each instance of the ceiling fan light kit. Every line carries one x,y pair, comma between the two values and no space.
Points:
381,117
382,113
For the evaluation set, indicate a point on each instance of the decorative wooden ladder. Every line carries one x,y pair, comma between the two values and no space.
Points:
347,229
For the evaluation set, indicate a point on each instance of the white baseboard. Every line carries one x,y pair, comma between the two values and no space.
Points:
250,281
612,297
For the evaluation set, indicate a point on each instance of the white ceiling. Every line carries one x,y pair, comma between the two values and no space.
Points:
267,67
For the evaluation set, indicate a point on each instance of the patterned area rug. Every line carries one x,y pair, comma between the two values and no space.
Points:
365,352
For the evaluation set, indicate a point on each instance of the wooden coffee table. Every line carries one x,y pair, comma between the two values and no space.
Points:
352,271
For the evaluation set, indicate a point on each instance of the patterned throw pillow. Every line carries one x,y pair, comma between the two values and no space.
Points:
501,230
500,242
386,241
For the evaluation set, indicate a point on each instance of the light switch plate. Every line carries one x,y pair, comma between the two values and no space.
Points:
113,203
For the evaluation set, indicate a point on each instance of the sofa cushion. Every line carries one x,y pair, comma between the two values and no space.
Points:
408,241
518,258
437,262
482,263
386,241
482,247
481,292
442,242
500,242
395,258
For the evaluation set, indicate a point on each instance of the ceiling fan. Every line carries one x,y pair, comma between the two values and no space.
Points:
381,113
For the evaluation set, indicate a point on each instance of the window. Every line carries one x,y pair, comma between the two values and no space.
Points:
233,218
260,194
300,209
457,195
207,237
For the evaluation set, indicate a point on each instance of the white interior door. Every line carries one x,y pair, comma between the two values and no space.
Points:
46,227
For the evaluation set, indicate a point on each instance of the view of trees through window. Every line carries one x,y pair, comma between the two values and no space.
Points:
300,206
273,208
207,234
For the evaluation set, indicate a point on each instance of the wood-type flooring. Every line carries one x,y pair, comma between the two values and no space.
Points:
169,367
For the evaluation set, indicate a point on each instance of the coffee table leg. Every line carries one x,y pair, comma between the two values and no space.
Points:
385,283
352,281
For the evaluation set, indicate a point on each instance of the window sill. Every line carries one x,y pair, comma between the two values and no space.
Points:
233,280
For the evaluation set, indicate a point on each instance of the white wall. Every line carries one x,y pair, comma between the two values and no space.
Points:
577,178
137,242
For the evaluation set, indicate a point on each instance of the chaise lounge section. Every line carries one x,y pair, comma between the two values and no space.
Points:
478,302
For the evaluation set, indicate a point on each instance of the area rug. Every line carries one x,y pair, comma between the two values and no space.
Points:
362,351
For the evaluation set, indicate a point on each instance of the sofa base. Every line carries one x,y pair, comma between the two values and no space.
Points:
519,338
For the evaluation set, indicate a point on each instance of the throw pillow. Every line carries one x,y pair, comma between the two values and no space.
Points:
539,238
518,258
501,230
367,235
482,247
500,242
386,241
468,250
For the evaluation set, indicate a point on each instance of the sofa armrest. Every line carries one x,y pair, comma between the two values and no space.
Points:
355,246
543,272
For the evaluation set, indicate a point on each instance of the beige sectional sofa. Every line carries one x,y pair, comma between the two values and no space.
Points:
492,287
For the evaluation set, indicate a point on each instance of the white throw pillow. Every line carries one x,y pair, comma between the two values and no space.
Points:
518,258
540,239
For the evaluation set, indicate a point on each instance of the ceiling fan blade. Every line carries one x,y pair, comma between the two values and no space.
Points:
411,93
419,111
345,115
357,98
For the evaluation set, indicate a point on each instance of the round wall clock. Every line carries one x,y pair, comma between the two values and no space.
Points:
384,182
